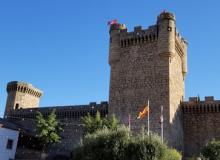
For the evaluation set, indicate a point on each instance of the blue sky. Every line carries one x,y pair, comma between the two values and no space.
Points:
61,47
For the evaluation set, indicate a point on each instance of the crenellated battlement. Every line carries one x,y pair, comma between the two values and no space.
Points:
180,41
62,111
138,36
21,95
23,87
195,105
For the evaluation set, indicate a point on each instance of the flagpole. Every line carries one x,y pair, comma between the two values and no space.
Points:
129,121
148,118
161,121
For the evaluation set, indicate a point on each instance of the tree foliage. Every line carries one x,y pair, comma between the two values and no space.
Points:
120,144
92,124
211,150
48,129
173,154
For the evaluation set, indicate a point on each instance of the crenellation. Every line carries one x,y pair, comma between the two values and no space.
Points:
146,64
209,99
62,111
195,105
24,88
21,95
138,36
180,39
193,99
137,29
145,71
201,119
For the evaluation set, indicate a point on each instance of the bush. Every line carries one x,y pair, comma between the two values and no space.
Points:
211,150
103,144
173,154
120,144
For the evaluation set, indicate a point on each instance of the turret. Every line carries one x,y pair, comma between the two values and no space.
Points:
166,34
21,95
114,47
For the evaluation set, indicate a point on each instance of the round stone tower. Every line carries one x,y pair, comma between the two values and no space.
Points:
21,95
114,47
167,28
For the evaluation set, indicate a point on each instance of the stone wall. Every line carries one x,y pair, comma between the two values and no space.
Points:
21,95
69,118
147,64
201,121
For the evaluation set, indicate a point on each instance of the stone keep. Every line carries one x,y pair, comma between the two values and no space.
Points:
149,65
21,96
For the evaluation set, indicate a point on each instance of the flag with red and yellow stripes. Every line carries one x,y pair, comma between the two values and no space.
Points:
143,113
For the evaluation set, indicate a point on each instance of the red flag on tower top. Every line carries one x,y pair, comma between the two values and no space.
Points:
115,21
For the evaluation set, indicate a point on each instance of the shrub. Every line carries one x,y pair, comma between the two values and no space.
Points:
173,154
120,144
211,150
104,144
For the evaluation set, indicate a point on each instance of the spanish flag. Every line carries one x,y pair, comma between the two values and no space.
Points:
143,113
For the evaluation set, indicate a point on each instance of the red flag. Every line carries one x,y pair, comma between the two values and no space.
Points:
115,21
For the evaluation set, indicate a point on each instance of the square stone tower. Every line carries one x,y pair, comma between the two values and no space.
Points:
149,64
21,95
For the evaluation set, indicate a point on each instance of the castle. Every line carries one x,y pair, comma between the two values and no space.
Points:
146,64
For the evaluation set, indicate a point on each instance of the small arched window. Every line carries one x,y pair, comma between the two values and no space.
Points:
17,106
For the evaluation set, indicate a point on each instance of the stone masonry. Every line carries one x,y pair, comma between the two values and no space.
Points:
69,118
201,121
22,95
146,64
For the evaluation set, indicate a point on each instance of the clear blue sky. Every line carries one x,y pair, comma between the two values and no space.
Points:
61,46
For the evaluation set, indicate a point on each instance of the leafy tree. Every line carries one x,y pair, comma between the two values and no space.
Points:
211,150
48,129
92,124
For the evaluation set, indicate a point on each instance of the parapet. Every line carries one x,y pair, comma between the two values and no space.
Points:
138,36
195,105
76,111
24,88
208,99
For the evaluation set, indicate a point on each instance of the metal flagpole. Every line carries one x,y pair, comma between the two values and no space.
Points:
129,121
161,122
148,118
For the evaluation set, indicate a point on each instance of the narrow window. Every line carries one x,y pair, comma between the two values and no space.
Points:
9,144
17,106
169,28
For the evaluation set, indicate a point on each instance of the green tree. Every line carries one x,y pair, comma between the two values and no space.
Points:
211,150
92,124
48,129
